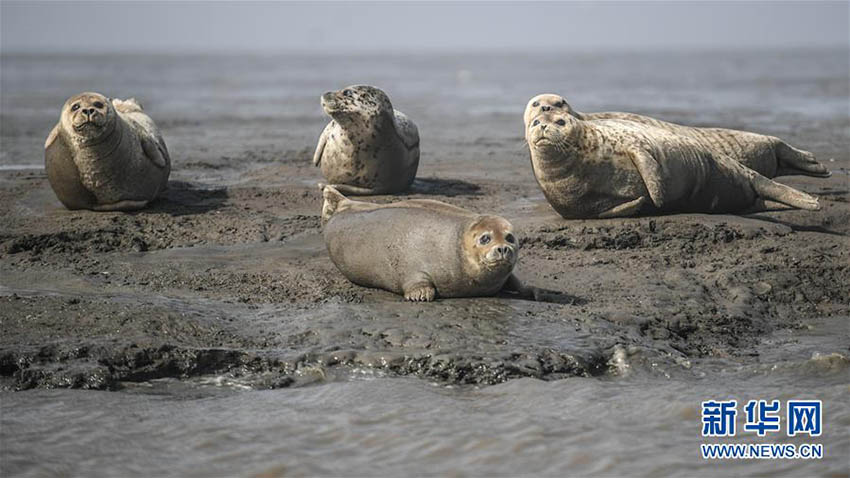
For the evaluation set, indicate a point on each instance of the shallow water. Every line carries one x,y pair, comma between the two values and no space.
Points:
643,418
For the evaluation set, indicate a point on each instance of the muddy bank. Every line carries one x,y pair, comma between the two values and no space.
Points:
226,274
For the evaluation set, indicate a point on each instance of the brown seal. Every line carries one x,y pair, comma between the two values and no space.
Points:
421,249
368,147
105,155
767,155
609,168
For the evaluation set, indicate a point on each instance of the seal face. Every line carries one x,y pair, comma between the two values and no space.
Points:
419,248
767,155
105,155
610,167
368,147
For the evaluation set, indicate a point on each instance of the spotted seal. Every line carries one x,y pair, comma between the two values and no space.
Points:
767,155
612,167
105,155
368,147
421,248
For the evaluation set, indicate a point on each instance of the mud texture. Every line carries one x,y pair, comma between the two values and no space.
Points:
226,274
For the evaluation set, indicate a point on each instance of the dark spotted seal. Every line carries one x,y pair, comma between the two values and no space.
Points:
609,167
767,155
105,155
368,147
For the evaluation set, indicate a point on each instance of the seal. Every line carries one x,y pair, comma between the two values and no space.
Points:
614,168
105,155
767,155
368,147
421,248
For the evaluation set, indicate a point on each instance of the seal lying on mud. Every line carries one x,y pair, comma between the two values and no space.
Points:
614,168
421,248
368,147
767,155
105,155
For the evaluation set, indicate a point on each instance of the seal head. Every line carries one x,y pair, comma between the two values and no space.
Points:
89,117
545,103
490,245
363,101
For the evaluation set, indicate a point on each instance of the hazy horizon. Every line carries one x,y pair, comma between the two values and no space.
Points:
366,27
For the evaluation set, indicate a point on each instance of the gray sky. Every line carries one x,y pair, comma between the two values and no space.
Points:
288,26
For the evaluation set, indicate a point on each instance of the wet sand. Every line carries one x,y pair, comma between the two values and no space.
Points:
226,274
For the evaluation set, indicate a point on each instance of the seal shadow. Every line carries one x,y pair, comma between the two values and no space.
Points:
444,187
182,198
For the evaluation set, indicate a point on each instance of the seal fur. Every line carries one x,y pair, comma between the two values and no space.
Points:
368,147
420,249
105,155
610,168
767,155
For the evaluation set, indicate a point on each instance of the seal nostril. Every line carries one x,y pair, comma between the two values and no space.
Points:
546,108
542,127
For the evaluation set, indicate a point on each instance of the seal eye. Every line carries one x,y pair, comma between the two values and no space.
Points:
560,122
535,104
484,239
510,238
536,122
98,104
75,107
561,104
346,92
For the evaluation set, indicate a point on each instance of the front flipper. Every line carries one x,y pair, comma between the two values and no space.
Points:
515,286
320,148
419,289
153,152
625,210
651,173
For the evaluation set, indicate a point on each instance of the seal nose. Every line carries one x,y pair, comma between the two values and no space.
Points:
542,127
504,251
88,111
545,108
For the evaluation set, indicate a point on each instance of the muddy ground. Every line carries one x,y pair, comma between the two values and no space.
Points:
234,280
226,274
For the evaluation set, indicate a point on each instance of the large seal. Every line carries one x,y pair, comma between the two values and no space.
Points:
368,147
610,168
105,155
421,249
767,155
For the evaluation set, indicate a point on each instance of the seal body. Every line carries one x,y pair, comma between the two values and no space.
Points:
419,248
610,168
105,155
368,147
767,155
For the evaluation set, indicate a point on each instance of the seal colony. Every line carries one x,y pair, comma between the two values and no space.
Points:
109,155
767,155
105,155
420,248
368,147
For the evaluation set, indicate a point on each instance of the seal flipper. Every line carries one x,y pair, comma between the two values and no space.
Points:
63,175
153,152
332,200
320,148
768,188
514,285
625,210
797,161
357,190
419,288
650,172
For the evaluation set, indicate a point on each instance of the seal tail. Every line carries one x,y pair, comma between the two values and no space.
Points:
797,161
130,105
332,200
